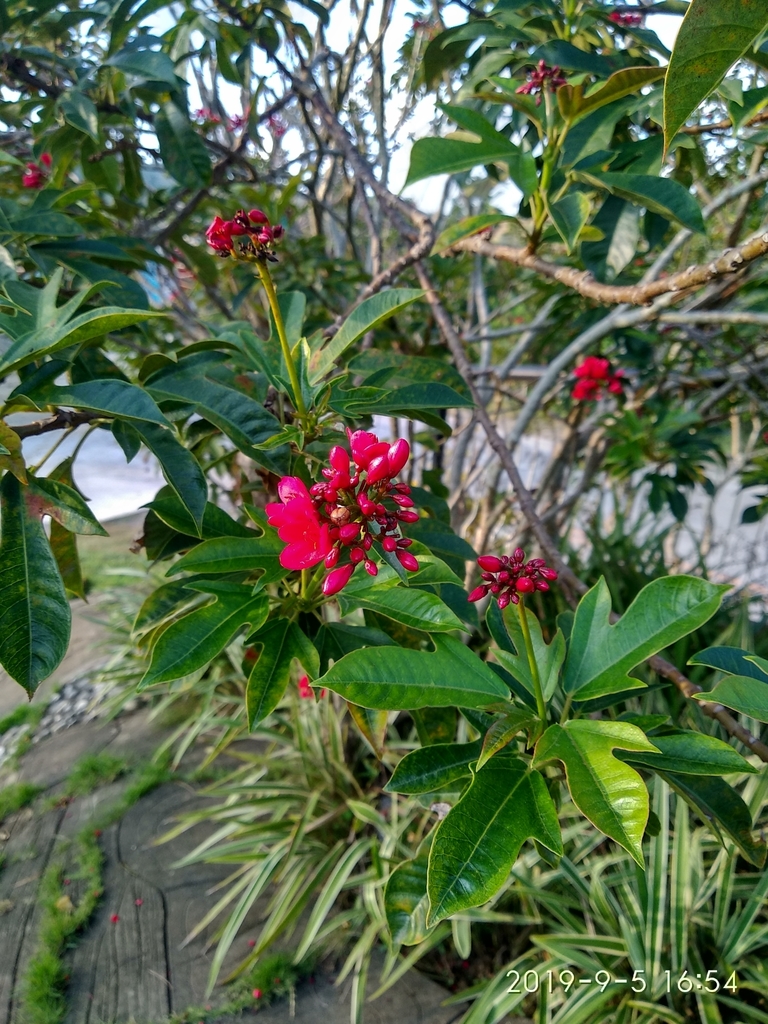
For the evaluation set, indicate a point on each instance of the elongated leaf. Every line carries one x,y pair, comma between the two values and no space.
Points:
664,196
146,65
414,608
279,641
34,611
112,397
450,156
733,660
216,522
405,898
569,216
393,678
195,639
236,554
81,113
47,497
64,548
611,794
722,809
549,657
335,639
601,655
434,767
691,753
478,841
12,458
368,315
180,468
574,105
741,693
713,35
466,227
183,152
503,730
373,726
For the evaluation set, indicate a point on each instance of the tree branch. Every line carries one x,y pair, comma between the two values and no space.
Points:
62,419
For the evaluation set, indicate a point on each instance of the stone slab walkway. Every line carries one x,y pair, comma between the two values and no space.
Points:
137,970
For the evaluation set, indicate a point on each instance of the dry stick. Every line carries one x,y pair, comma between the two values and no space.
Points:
572,585
584,283
61,420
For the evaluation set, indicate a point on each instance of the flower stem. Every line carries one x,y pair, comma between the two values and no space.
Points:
541,706
274,305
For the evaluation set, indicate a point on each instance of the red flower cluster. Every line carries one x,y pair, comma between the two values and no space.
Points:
595,374
507,578
359,503
626,19
35,175
206,114
539,77
277,126
253,227
238,121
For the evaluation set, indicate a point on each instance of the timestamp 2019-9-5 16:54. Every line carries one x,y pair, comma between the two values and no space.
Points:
567,980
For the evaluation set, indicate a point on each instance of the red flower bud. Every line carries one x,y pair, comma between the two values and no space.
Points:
331,558
357,555
339,459
337,580
389,543
504,599
478,594
258,217
371,568
46,159
407,560
518,555
378,469
490,563
398,455
407,516
403,500
349,533
525,585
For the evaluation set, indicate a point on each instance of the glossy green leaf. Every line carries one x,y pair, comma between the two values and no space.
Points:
478,841
335,639
431,768
600,655
366,317
192,641
465,228
146,65
574,105
183,152
34,611
713,35
405,898
451,156
569,216
112,397
722,809
64,548
734,660
180,468
414,608
279,642
691,753
394,678
236,554
549,657
81,113
12,458
611,794
48,497
619,222
503,731
741,693
216,522
664,196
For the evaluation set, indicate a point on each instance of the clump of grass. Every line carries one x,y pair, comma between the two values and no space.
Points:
16,796
24,714
92,771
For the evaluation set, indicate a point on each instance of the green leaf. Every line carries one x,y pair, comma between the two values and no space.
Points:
236,554
569,216
478,841
574,105
691,753
394,678
451,156
146,65
194,640
713,35
81,113
414,608
183,152
47,497
405,898
466,227
733,660
34,611
741,693
503,730
620,224
280,641
180,468
431,768
611,794
335,639
366,317
549,657
722,809
39,327
12,458
753,101
216,522
601,655
664,196
64,548
112,397
373,726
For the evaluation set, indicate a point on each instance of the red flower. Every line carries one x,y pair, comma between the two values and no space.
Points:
298,523
539,78
253,227
33,177
277,126
305,690
114,918
219,236
594,374
256,993
508,577
626,19
138,902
